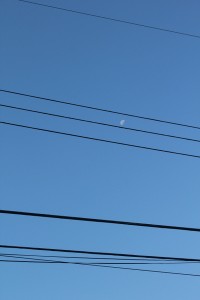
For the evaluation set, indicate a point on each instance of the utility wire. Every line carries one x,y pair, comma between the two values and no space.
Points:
97,123
31,257
99,109
112,19
28,258
99,253
27,261
102,266
99,140
141,270
88,257
95,220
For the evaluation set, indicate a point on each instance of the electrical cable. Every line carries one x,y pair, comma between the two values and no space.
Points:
22,256
87,257
99,253
95,220
100,140
98,123
112,19
102,266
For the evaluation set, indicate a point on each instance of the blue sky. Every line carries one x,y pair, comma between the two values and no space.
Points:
113,66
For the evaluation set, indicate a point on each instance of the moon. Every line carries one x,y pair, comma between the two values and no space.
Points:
122,122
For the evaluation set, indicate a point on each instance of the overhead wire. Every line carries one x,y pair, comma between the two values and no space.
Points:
102,266
89,257
135,262
112,19
98,220
97,123
99,109
99,139
112,254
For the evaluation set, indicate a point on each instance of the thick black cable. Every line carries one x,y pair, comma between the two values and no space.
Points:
99,109
112,19
99,140
95,220
98,123
102,266
98,253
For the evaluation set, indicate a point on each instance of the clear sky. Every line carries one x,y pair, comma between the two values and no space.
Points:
114,66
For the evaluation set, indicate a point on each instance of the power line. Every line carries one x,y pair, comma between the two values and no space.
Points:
89,257
98,123
112,19
141,270
104,264
99,265
100,253
99,109
28,258
99,140
85,257
42,258
94,220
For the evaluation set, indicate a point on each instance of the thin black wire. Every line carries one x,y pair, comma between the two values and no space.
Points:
102,266
95,220
100,140
99,109
42,258
28,261
98,123
112,19
22,256
142,270
88,258
99,253
29,258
